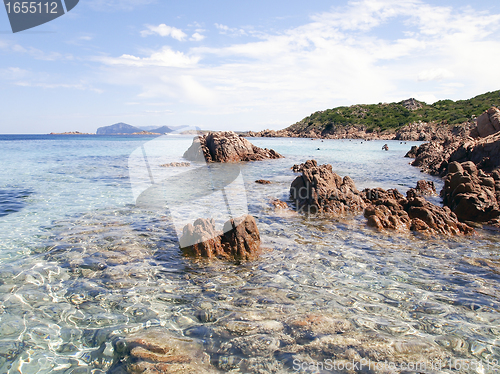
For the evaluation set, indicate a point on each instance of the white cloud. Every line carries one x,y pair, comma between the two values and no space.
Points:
13,73
165,57
164,30
437,74
338,58
233,31
197,37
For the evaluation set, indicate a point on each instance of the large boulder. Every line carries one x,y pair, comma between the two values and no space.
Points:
320,190
471,193
488,123
390,210
226,146
238,241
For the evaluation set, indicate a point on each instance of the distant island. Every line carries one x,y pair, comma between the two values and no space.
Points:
125,129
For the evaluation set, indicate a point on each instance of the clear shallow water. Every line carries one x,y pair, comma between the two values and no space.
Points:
81,266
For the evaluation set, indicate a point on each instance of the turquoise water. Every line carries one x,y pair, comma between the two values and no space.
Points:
81,266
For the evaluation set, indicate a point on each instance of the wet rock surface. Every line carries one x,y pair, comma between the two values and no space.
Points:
262,181
391,210
472,194
227,146
479,144
412,153
425,188
320,190
239,240
158,350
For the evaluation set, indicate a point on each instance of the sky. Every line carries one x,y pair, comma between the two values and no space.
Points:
228,65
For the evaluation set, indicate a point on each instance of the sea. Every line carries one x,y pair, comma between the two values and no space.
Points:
83,265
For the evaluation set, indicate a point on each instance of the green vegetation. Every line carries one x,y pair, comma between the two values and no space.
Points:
381,117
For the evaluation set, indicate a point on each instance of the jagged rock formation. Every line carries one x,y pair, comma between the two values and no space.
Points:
425,188
320,190
488,123
239,240
226,146
435,156
471,193
412,153
422,131
391,210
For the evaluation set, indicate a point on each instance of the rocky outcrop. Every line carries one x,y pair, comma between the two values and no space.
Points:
479,144
390,210
434,157
338,132
262,181
226,146
472,194
320,190
434,131
238,241
425,188
488,123
412,153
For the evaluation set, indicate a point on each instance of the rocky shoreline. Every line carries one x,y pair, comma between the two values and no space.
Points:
417,131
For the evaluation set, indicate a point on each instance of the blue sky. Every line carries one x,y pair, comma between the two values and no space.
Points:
227,65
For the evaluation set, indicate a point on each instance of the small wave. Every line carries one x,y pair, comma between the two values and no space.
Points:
12,200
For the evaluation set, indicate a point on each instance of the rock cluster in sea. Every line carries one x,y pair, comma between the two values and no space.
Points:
238,241
470,164
471,193
484,151
320,190
391,210
226,146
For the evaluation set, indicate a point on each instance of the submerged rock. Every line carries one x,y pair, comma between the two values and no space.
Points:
160,351
239,240
226,146
262,181
278,204
320,190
